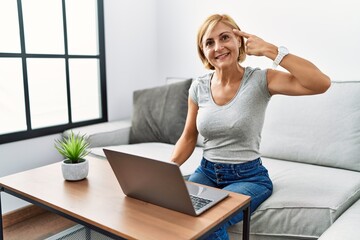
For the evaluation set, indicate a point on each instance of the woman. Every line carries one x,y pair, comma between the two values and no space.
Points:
227,107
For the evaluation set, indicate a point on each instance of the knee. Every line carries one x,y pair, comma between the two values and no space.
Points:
259,199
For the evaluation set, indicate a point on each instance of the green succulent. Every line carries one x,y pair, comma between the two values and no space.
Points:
74,147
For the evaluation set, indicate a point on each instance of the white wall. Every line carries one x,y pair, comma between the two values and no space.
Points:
149,40
326,32
131,51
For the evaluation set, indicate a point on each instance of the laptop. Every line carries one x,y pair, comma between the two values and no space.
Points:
161,183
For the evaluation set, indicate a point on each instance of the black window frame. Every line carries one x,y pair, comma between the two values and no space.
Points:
33,133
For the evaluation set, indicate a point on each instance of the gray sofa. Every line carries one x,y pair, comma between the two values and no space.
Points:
310,145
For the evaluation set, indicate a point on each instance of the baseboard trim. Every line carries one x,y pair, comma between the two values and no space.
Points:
21,214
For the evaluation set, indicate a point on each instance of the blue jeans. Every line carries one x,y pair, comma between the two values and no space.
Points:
249,178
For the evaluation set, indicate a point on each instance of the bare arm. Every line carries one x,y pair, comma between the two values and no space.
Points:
302,78
185,146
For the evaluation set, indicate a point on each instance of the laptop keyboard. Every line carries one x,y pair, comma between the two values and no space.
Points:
199,202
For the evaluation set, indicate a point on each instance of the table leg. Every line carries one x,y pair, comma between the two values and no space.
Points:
1,220
246,223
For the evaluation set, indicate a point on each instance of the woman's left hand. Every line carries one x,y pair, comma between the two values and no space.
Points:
302,78
255,45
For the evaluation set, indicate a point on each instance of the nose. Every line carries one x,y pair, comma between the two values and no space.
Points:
218,46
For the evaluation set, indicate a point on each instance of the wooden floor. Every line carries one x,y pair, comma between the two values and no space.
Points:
38,227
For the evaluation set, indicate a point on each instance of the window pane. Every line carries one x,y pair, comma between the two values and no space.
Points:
43,26
12,104
82,31
85,89
9,27
47,91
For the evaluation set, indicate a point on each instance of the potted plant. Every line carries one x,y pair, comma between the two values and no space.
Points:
74,149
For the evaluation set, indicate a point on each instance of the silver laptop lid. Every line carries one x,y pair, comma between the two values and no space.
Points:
157,182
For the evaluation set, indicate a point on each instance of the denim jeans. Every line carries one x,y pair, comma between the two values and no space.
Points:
249,178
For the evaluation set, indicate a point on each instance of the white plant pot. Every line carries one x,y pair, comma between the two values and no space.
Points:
75,171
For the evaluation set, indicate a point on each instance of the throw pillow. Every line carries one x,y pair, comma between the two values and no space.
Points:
159,113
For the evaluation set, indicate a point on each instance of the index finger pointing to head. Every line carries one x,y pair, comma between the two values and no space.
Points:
241,33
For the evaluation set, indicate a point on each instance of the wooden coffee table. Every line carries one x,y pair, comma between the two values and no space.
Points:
99,203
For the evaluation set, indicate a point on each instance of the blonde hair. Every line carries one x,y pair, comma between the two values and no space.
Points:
209,24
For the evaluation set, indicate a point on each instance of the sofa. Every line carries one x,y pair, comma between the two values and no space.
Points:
310,145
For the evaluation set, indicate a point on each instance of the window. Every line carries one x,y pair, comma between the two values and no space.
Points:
52,66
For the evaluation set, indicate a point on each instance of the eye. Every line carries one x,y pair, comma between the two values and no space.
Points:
209,43
225,37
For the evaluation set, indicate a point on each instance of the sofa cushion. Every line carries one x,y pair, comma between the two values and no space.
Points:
319,129
159,151
104,134
306,200
159,113
346,226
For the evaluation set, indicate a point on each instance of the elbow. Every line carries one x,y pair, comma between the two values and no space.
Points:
325,84
321,83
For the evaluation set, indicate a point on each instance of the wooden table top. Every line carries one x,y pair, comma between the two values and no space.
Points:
98,200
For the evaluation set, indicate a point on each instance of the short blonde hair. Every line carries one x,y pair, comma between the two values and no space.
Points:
209,24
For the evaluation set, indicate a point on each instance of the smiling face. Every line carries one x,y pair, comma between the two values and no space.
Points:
221,46
218,46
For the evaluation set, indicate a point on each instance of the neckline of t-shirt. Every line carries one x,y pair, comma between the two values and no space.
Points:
236,94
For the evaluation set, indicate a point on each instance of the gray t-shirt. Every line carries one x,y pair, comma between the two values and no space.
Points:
232,132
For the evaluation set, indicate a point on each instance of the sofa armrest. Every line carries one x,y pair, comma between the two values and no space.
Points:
105,134
346,226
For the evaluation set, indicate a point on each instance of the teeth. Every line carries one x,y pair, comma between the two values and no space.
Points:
225,54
